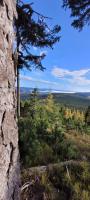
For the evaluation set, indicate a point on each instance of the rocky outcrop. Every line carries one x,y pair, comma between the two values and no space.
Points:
9,159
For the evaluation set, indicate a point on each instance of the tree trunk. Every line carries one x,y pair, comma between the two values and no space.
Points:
9,156
18,93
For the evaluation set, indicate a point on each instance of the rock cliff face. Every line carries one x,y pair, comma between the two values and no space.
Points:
9,162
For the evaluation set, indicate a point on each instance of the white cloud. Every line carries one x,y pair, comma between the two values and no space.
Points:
60,72
40,52
43,52
28,78
68,80
81,81
75,77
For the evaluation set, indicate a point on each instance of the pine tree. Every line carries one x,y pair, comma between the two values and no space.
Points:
32,30
80,10
87,116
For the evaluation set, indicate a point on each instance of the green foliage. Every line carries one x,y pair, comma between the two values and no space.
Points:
44,140
76,185
80,10
42,132
78,101
87,116
32,30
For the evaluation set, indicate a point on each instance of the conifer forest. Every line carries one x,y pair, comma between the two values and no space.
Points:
44,100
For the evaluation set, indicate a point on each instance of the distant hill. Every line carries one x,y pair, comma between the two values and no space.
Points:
79,100
44,90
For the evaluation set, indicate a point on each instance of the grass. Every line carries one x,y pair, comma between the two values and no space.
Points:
82,142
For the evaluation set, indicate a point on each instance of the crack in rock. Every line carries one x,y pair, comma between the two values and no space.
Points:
3,117
11,158
1,3
7,11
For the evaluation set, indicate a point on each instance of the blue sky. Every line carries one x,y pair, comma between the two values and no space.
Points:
68,64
